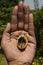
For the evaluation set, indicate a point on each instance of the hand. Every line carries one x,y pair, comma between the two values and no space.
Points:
21,24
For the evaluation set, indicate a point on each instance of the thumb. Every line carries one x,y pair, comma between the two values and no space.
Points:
6,35
6,31
8,27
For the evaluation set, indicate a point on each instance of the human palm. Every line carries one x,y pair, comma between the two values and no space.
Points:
21,24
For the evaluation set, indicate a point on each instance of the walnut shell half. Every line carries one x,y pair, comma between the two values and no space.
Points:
22,42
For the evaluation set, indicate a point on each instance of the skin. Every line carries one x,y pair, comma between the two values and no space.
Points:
22,23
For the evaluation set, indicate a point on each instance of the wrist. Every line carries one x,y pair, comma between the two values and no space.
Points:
18,63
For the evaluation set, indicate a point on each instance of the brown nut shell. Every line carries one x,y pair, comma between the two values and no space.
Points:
22,42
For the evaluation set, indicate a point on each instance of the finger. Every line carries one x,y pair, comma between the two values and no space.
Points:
26,27
20,6
26,9
26,17
14,19
6,36
8,28
14,23
14,15
15,10
20,25
31,25
20,15
26,21
20,11
6,33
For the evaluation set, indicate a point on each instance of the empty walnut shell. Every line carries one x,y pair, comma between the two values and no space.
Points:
22,42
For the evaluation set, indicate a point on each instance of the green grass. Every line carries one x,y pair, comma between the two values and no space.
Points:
2,58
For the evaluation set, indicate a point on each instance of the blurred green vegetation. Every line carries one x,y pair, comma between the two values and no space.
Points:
6,7
38,23
2,58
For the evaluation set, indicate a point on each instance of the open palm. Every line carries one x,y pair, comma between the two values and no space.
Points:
21,24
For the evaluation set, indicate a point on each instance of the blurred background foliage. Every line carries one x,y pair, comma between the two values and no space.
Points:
6,7
38,23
